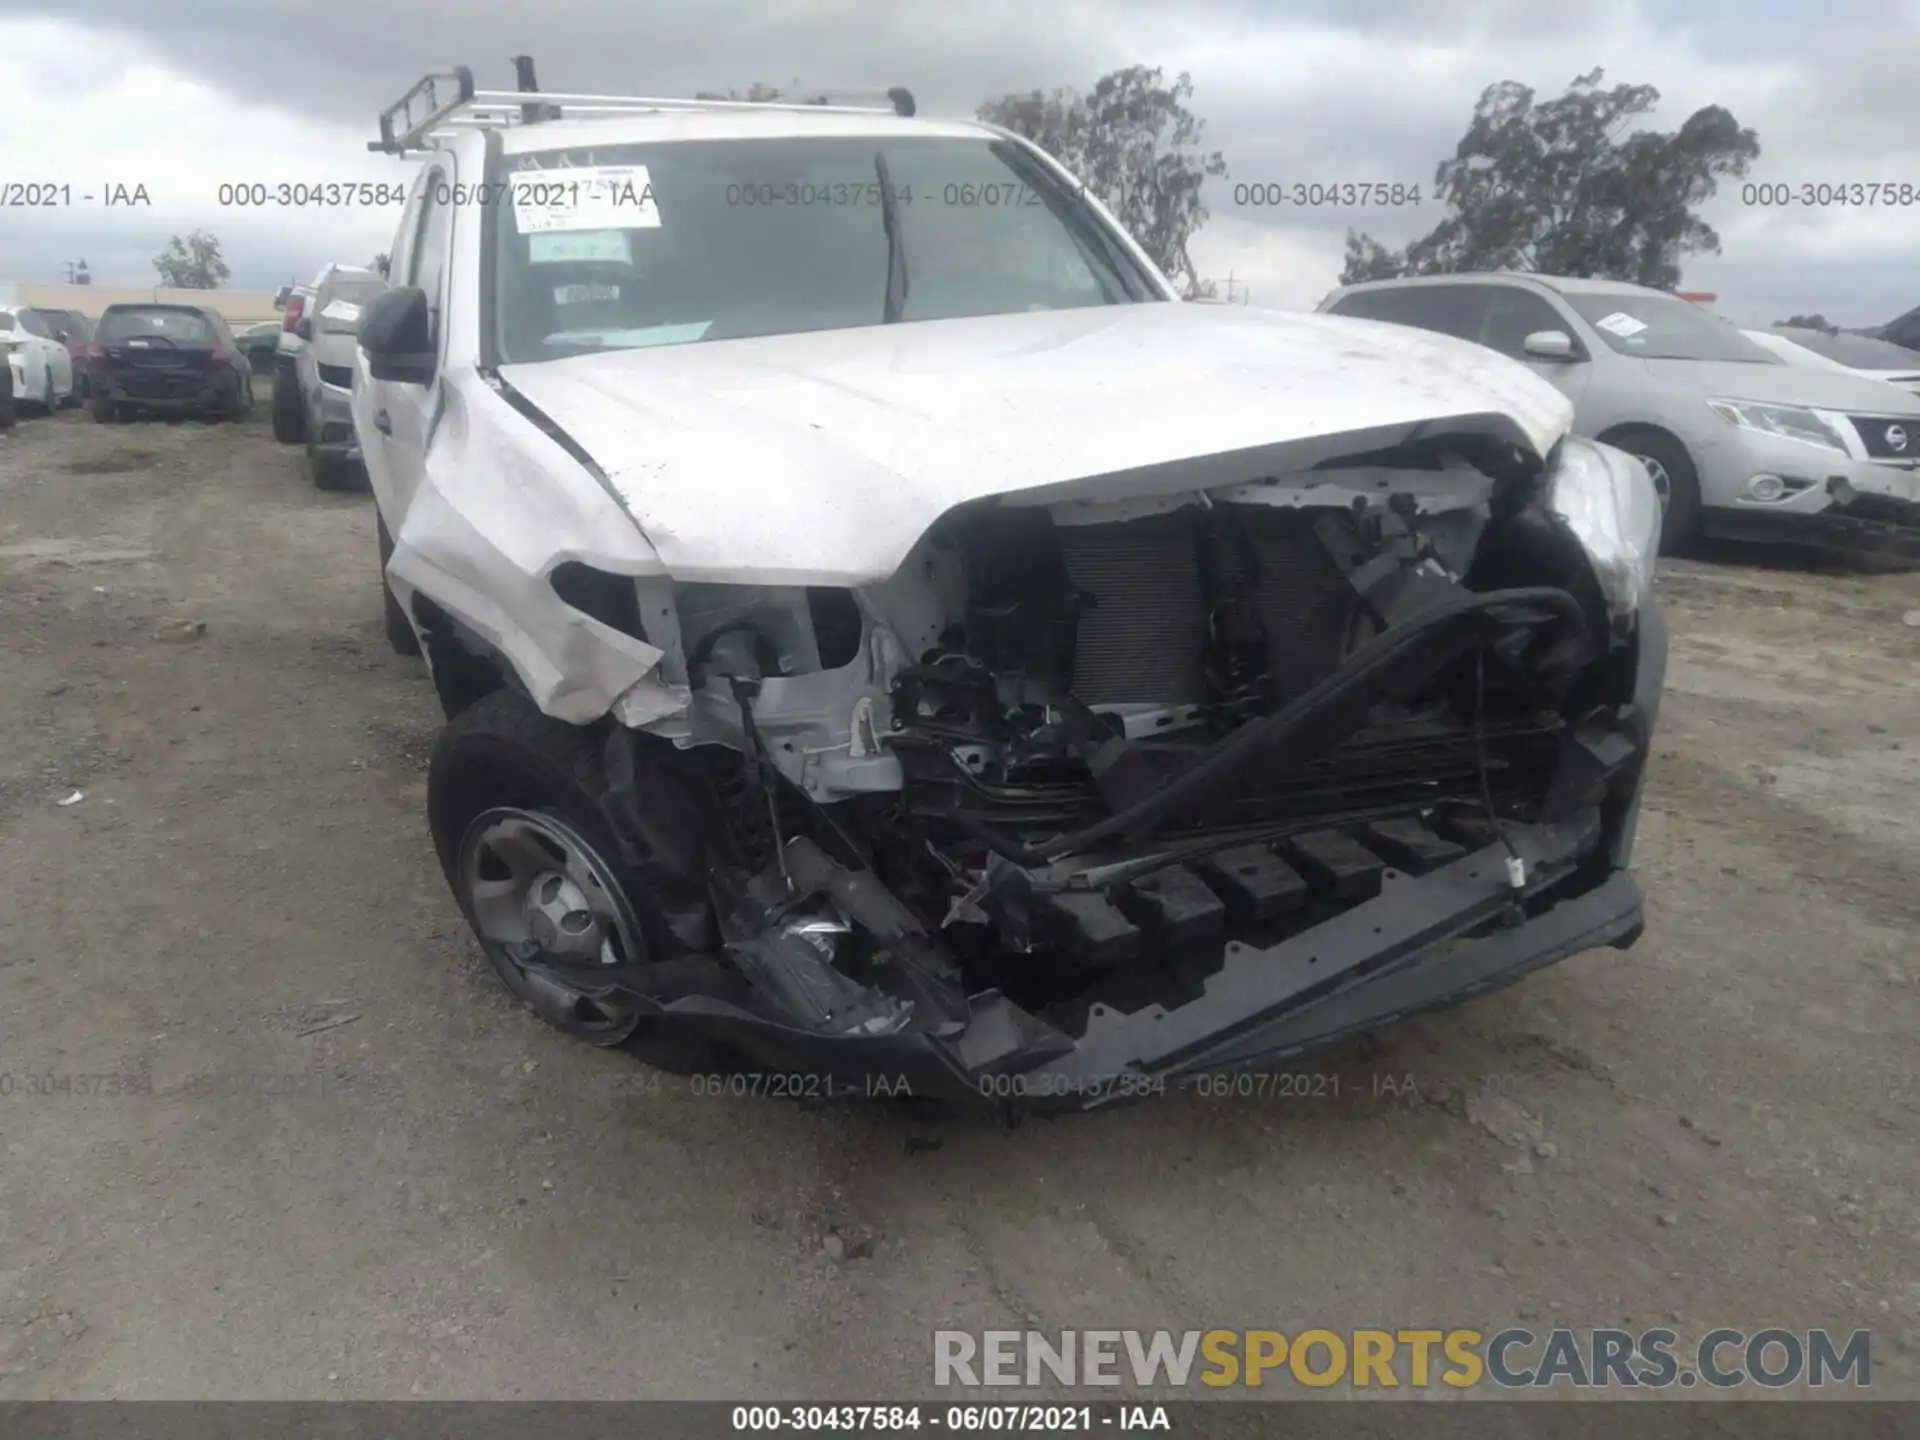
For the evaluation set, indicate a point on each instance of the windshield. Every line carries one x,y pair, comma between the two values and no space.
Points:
340,303
1657,327
1857,352
721,239
174,325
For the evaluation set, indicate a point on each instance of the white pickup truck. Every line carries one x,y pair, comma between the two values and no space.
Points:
885,631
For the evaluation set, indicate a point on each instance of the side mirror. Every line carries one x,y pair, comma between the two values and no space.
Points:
396,331
1549,345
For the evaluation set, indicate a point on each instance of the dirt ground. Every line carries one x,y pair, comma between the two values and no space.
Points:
362,1172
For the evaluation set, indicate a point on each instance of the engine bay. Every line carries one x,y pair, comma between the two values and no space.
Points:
1072,754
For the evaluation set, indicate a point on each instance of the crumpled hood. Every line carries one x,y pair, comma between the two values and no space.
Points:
822,458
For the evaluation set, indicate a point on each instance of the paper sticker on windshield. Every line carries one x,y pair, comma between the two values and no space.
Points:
561,247
1622,324
340,310
587,197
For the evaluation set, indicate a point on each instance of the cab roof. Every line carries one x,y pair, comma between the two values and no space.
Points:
668,126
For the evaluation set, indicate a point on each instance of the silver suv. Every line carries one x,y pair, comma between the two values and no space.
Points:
313,373
1740,444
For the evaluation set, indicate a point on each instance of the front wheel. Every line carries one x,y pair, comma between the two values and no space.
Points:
513,804
1678,484
330,473
101,408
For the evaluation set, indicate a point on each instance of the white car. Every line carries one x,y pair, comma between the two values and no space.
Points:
1853,354
886,633
42,369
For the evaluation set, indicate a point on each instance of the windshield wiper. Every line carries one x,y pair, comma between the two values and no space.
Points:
897,286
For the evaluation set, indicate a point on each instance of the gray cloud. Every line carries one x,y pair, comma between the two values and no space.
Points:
1322,90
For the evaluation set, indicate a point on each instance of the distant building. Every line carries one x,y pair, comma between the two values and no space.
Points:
239,307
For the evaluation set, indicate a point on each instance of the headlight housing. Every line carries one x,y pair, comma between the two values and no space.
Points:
1786,422
1607,500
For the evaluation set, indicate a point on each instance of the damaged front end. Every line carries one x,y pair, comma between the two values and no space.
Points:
1093,795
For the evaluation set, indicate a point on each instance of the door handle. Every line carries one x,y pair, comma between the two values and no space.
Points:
383,423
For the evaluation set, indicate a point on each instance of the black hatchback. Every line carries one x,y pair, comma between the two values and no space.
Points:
166,360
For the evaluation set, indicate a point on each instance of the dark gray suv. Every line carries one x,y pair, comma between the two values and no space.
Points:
313,380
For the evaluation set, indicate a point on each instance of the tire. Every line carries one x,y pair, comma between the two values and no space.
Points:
332,475
1666,457
289,418
400,634
502,758
102,409
6,404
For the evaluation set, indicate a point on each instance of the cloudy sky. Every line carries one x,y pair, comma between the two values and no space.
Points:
183,95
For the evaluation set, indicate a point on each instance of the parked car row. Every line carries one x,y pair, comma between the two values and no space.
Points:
142,358
1741,443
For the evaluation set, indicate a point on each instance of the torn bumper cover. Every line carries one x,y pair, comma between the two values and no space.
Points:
1443,926
1426,941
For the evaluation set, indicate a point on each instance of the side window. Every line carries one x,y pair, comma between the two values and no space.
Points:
1514,314
428,251
1456,310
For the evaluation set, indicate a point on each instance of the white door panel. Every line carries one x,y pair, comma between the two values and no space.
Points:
404,415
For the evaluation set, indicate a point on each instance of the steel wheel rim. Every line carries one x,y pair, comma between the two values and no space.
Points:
535,889
1662,485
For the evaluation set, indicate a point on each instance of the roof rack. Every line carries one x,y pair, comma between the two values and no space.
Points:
448,103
